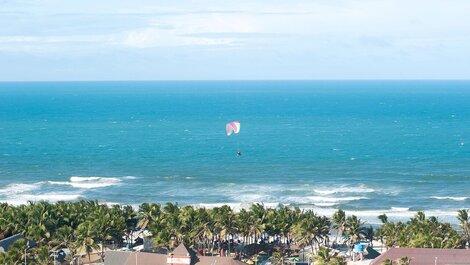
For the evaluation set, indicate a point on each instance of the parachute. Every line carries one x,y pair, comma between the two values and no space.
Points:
232,127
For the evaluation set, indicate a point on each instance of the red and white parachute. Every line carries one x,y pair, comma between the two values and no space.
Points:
232,127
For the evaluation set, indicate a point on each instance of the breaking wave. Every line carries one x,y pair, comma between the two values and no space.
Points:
18,188
91,182
322,200
21,193
343,189
449,198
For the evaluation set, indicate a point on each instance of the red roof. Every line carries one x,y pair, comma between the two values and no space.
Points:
427,256
144,258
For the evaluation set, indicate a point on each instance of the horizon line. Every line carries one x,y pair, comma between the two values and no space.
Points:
227,80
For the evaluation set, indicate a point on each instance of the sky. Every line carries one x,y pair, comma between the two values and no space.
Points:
61,40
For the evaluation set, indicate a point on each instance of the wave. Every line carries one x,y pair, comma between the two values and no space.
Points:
393,214
50,197
326,204
400,209
343,189
91,182
449,198
21,193
18,188
253,198
322,199
81,179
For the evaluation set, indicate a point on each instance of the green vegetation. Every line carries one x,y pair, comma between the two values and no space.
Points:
400,261
403,261
420,232
326,257
86,227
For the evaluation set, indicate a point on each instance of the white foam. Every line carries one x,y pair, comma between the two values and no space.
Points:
400,214
325,204
21,193
90,182
343,189
253,198
322,199
52,197
18,188
449,198
400,209
81,179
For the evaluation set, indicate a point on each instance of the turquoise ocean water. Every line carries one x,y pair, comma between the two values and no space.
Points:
364,146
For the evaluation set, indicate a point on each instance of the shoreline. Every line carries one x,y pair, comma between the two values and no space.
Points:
394,214
358,200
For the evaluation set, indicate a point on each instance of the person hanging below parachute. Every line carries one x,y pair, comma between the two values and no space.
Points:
233,127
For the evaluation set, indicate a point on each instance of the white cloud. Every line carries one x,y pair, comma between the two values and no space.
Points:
183,30
308,36
154,37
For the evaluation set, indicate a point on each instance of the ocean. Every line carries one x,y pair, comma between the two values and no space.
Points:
368,147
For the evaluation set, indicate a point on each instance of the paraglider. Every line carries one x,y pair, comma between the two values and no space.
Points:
231,128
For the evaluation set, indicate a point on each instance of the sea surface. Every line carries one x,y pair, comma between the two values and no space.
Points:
368,147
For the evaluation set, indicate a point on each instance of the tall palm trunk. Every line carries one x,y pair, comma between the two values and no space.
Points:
228,245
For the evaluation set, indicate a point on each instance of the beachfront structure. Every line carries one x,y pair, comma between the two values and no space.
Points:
427,256
182,255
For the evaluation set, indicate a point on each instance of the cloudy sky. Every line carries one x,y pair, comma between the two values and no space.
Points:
243,39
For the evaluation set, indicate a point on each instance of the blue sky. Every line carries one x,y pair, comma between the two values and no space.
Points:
243,39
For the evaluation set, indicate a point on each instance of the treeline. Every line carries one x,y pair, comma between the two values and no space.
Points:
85,226
422,232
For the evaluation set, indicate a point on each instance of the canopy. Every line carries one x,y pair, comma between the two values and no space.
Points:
232,127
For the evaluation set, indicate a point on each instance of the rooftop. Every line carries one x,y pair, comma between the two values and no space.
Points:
427,256
183,254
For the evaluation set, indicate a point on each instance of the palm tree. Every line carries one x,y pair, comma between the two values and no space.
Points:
285,219
311,230
15,254
325,257
368,234
63,236
86,238
463,217
42,256
243,219
131,221
148,213
339,223
226,223
383,218
354,230
204,229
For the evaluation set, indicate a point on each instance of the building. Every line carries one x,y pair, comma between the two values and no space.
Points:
182,255
427,256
